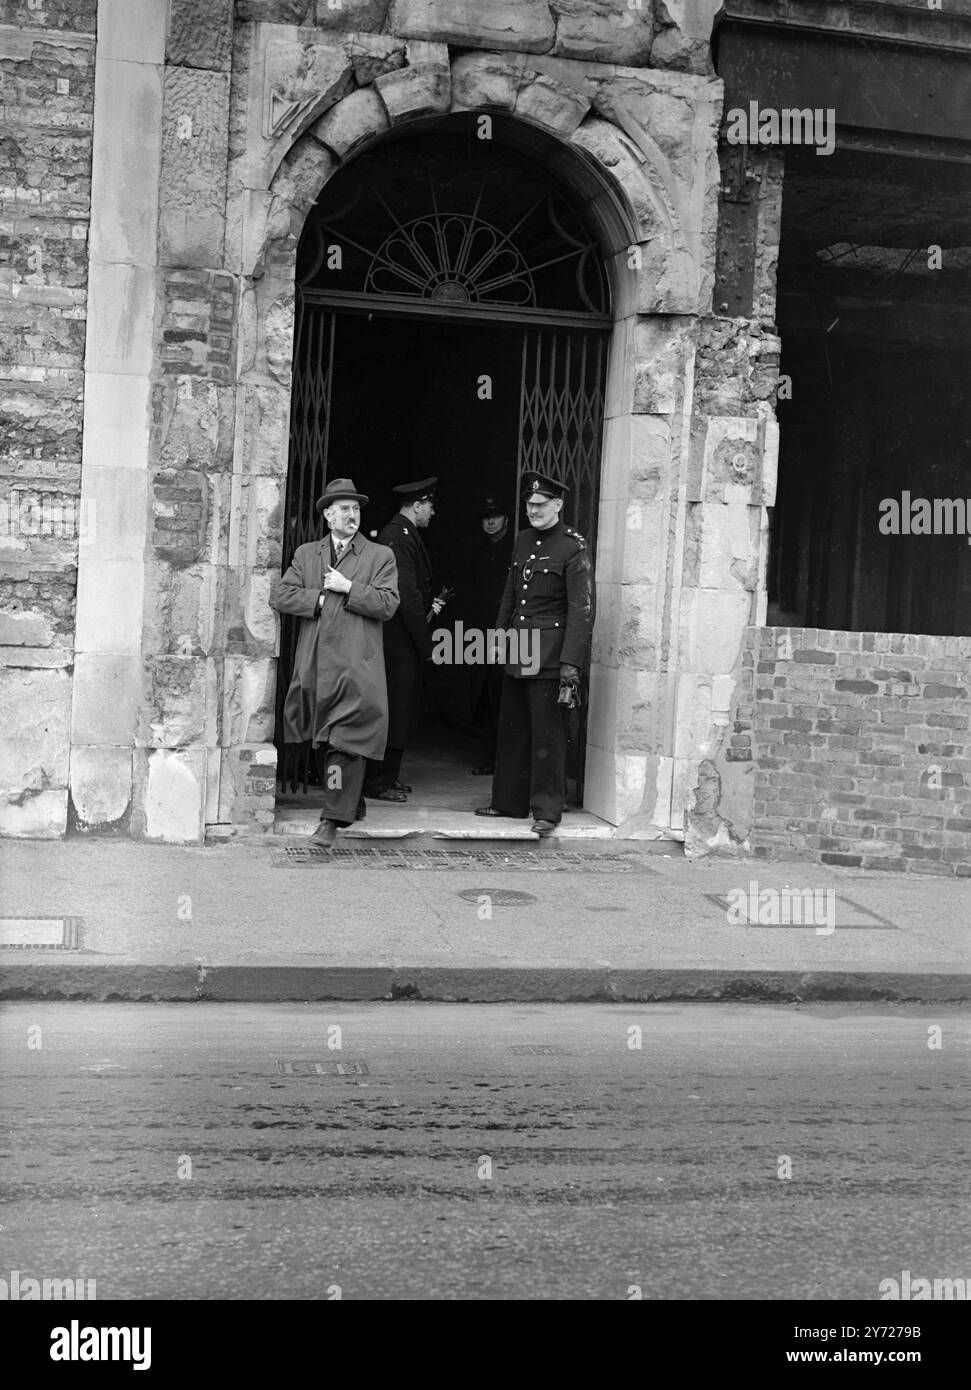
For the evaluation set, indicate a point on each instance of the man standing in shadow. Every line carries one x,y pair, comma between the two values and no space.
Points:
407,636
488,566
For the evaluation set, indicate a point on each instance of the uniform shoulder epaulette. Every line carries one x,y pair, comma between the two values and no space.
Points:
575,534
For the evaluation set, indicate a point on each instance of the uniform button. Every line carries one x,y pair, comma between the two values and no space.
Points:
523,602
525,586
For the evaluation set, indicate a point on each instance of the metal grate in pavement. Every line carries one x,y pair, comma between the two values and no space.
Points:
347,1067
40,933
849,916
393,856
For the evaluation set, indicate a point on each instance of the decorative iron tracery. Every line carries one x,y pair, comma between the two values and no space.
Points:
454,256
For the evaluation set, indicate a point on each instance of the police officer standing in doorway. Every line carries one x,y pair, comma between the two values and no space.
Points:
548,609
407,636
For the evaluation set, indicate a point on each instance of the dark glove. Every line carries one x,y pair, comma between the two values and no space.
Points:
569,692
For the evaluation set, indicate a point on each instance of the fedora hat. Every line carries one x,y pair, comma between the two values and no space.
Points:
337,490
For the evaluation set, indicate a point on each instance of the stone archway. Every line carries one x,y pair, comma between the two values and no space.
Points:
593,137
188,383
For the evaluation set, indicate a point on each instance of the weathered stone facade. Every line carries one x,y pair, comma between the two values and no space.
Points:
229,122
47,96
215,128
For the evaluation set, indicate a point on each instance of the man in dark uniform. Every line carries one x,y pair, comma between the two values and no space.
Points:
407,636
488,567
547,613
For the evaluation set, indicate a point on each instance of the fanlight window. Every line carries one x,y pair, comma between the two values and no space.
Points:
451,219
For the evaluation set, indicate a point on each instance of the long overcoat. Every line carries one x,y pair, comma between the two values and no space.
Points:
408,636
338,693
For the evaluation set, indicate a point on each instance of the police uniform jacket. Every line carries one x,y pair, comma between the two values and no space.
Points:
407,636
549,588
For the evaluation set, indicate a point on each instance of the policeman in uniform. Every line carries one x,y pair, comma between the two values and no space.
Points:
549,594
407,636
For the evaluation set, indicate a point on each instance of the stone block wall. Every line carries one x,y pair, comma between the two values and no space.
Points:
730,470
192,429
216,125
852,748
46,114
657,33
301,104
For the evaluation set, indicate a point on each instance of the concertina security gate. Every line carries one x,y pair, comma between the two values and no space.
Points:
560,427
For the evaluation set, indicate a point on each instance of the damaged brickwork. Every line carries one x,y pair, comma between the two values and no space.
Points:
854,748
46,110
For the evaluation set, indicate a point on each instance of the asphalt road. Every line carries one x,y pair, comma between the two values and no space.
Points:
486,1152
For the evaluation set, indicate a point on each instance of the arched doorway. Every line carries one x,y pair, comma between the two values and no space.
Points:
452,318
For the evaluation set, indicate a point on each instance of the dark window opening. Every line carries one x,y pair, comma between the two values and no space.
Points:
874,311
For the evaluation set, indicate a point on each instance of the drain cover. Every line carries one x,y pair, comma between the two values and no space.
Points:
849,916
41,933
347,1067
498,897
394,856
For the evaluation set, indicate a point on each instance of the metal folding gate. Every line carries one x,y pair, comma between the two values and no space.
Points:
560,427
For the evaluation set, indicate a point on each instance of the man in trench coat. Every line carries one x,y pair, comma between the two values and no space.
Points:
345,588
407,637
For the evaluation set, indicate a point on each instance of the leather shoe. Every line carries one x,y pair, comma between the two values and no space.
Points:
401,786
543,828
491,811
388,794
325,834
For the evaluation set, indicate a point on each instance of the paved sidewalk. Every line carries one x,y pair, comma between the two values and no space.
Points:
623,920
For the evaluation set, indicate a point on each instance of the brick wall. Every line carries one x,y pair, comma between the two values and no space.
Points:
46,107
861,747
46,111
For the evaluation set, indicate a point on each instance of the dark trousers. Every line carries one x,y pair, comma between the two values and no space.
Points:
382,775
486,714
531,752
341,777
